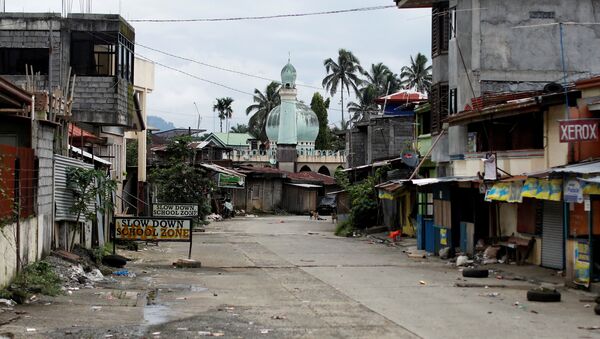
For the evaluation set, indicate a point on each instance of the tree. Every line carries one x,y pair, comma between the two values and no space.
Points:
320,106
380,76
87,185
418,74
260,109
366,103
180,182
342,74
239,128
223,106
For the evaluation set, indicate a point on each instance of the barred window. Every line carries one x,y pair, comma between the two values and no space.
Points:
439,106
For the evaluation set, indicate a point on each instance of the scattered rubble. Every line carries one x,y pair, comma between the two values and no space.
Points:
214,217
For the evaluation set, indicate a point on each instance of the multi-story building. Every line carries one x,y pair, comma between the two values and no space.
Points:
90,55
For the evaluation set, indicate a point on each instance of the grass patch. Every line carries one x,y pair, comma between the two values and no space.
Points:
344,229
35,278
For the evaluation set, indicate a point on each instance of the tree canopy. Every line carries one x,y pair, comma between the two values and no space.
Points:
260,109
223,106
342,74
320,106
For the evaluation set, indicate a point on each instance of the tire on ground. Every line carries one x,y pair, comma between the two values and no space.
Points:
543,295
597,309
475,273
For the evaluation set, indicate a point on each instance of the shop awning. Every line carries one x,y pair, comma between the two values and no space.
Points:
593,180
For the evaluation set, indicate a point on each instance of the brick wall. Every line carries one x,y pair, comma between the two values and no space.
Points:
45,154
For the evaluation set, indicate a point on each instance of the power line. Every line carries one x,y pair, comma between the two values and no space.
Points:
219,67
264,17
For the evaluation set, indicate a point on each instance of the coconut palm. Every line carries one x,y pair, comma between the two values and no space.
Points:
239,128
263,104
223,106
418,75
380,76
342,74
366,103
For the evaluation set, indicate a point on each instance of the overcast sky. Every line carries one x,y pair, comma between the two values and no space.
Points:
390,36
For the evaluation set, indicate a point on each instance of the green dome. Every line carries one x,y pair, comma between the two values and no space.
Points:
307,124
288,76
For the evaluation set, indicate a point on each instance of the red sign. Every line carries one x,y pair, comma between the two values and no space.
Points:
578,130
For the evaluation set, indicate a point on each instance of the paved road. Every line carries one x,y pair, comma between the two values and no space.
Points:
285,277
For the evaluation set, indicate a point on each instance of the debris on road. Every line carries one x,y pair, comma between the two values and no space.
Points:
266,331
187,263
278,317
214,217
114,260
422,282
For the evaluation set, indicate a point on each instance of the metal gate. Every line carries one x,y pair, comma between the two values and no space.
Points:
552,235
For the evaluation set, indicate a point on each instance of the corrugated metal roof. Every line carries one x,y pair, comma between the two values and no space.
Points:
63,196
222,169
580,168
305,185
593,180
431,181
89,155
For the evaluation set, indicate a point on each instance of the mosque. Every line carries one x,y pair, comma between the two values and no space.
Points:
292,128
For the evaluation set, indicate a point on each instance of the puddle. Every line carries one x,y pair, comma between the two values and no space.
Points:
156,314
182,287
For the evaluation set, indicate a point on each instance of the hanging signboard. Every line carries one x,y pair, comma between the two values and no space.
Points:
175,210
573,192
490,167
578,130
230,181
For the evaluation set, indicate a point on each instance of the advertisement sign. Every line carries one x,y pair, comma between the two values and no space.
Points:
152,229
573,191
582,263
578,130
544,189
443,237
230,181
490,167
175,210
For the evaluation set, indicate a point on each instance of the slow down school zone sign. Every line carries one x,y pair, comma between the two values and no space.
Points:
153,229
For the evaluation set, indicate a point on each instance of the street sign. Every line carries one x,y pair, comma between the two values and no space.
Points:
152,229
578,130
230,181
175,210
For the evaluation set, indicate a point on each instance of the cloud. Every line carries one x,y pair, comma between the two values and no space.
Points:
258,47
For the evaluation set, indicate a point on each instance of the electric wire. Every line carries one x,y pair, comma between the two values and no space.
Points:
276,16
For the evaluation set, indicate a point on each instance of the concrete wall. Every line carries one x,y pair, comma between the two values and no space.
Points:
556,152
382,138
500,57
102,100
28,249
44,148
512,164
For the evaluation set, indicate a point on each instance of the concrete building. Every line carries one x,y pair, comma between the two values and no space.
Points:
480,47
91,54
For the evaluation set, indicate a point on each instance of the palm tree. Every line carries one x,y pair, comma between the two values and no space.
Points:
366,103
239,128
418,74
342,74
263,104
380,76
223,106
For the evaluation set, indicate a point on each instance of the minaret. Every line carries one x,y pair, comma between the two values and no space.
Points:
287,137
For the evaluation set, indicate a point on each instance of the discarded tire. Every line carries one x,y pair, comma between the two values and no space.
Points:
597,300
114,260
475,273
597,309
543,295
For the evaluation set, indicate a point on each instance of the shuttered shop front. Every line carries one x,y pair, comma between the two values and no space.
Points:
552,235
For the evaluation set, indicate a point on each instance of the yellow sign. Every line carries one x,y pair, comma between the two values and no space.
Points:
582,264
500,191
153,229
385,195
590,188
544,189
443,236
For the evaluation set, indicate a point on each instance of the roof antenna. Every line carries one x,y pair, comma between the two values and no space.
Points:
289,56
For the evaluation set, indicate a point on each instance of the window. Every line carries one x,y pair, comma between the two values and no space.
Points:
439,106
101,54
14,60
440,27
424,121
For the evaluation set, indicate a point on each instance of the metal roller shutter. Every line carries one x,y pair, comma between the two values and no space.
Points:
552,235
